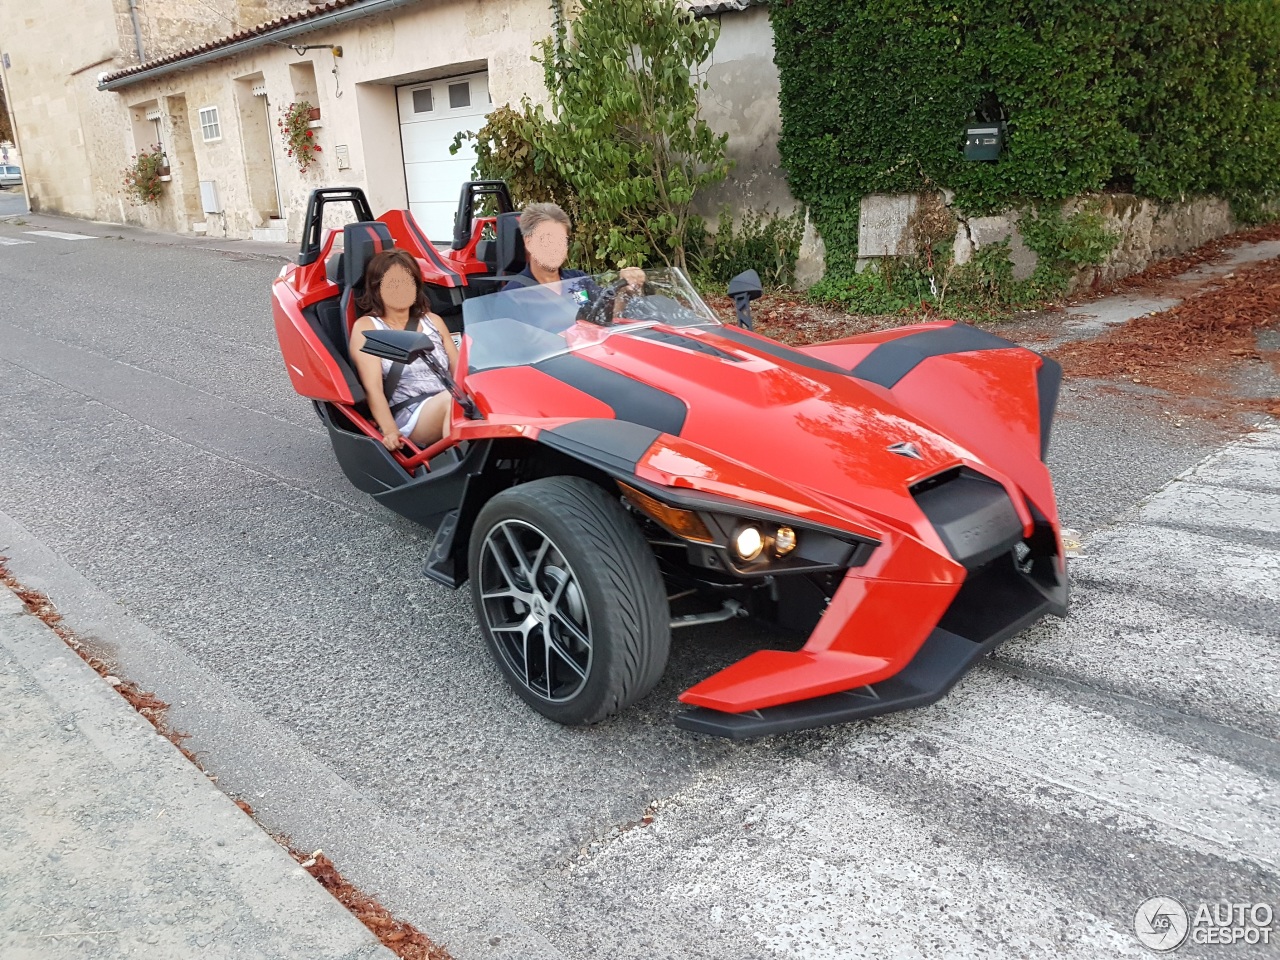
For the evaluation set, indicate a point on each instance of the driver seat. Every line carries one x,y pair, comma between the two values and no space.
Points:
360,242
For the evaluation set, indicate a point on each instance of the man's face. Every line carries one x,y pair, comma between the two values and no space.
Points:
398,289
548,246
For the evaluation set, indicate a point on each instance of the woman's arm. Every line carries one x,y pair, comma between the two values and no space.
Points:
369,369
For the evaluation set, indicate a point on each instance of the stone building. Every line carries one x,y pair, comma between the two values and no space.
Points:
95,82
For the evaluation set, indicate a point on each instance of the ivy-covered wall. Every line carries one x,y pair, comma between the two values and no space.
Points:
1163,98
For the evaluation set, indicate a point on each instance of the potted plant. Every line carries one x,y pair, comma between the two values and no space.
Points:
142,178
297,136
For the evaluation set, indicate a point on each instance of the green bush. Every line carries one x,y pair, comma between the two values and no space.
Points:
1165,97
623,146
761,242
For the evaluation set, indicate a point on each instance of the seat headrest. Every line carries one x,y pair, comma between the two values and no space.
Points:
509,243
360,241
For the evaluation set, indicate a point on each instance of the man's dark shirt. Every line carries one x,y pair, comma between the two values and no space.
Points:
527,272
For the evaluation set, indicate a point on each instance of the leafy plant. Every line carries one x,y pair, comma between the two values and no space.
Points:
297,135
623,146
768,244
1168,98
141,179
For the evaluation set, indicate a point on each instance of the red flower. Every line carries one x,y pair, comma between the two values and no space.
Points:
316,148
308,134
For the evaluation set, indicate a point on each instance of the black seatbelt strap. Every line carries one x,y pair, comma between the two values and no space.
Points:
392,379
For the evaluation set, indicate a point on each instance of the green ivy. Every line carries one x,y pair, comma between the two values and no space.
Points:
1168,98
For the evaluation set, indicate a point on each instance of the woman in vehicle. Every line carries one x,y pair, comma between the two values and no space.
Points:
406,400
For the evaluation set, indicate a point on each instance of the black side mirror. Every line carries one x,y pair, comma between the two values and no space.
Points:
398,346
744,288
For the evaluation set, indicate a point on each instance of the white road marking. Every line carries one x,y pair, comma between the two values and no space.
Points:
12,241
59,236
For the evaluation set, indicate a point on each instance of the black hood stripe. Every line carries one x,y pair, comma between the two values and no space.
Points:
630,399
891,361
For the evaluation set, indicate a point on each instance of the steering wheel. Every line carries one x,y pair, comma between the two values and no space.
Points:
600,309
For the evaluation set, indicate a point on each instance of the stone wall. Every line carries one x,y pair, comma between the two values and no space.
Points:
742,101
1147,231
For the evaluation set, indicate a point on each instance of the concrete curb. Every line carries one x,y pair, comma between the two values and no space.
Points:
116,845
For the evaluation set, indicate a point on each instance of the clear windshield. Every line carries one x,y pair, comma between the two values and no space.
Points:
525,324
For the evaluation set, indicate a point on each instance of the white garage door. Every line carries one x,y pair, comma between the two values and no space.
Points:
431,115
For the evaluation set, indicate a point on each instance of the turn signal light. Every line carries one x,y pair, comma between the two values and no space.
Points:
683,523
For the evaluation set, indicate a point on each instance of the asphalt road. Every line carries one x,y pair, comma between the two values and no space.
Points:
161,480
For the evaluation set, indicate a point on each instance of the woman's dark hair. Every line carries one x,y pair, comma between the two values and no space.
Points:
370,302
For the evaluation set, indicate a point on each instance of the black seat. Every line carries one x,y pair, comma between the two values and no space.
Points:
360,242
509,255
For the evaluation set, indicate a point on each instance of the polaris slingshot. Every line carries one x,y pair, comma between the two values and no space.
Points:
613,459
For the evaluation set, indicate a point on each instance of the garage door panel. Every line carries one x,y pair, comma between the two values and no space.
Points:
433,175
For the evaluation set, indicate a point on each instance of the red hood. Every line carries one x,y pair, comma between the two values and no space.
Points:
816,429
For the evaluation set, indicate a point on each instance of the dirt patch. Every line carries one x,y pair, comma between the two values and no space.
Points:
403,939
1192,350
788,319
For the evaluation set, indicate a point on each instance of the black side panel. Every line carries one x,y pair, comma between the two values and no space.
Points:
972,515
364,460
1048,380
630,399
686,343
773,349
616,446
890,362
429,497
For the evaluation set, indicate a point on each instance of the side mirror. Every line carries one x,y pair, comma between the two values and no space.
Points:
744,288
398,346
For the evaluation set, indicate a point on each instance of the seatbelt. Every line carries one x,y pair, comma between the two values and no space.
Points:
392,379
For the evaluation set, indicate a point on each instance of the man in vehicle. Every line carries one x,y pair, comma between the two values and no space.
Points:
545,229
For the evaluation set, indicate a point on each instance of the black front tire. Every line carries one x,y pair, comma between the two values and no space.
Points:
569,598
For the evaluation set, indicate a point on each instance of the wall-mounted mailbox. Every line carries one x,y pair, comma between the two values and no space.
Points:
983,141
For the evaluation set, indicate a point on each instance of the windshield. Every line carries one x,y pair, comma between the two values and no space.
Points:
529,323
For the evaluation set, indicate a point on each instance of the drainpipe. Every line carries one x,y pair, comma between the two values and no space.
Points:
137,30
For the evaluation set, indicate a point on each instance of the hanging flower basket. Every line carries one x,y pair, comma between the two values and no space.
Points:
295,133
143,177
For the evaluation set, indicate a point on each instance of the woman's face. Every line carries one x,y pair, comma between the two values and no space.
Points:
398,288
548,245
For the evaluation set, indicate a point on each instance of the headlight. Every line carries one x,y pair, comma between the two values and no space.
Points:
784,541
748,543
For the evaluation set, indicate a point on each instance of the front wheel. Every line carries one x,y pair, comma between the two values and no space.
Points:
570,599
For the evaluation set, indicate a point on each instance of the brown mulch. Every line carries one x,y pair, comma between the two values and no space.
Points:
1162,271
788,319
1191,349
403,939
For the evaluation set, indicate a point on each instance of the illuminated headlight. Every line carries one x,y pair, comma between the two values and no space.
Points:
748,543
784,541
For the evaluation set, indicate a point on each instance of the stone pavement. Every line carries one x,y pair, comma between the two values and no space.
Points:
113,845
